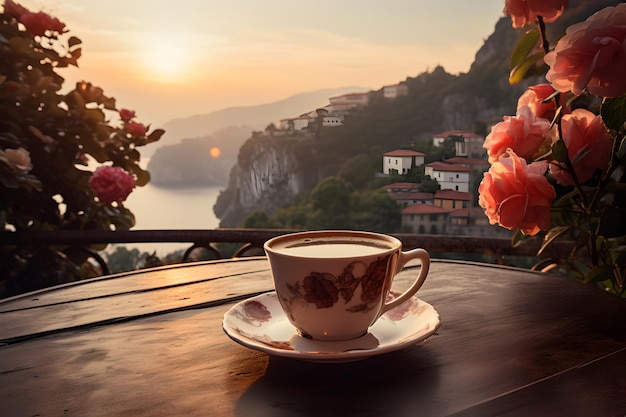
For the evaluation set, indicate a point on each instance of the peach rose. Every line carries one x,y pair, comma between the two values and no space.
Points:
589,147
17,159
592,55
39,23
523,133
135,129
525,12
533,98
516,195
111,184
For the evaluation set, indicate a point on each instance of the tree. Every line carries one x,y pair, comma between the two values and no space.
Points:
375,211
259,219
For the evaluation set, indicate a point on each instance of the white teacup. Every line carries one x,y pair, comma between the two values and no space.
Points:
333,285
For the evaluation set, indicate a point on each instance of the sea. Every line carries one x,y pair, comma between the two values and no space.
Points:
170,209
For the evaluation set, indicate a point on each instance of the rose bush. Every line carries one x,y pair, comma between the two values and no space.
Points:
51,143
559,166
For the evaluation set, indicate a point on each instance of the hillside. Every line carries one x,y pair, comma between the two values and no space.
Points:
273,170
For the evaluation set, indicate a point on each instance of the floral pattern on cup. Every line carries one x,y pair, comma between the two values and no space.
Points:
325,289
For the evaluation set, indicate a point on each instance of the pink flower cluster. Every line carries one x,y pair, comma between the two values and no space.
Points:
111,184
131,127
516,192
36,23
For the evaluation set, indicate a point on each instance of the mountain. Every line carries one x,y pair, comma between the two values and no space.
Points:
252,117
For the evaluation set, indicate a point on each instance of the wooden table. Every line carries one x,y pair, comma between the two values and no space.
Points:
150,343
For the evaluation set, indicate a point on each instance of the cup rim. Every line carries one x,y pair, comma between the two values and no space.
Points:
267,246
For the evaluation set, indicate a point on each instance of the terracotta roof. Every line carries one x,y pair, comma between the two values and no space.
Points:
404,152
401,185
411,196
464,212
467,161
444,166
462,133
453,195
424,209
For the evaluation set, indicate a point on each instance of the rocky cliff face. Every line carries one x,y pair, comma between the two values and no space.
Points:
267,176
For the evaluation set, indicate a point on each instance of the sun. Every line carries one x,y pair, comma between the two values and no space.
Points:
215,152
167,58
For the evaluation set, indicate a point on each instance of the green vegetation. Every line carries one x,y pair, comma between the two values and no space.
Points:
333,204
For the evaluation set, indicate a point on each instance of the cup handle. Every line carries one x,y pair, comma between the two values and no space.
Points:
405,257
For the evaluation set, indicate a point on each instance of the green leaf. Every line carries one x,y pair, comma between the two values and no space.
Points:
613,112
552,234
142,177
621,153
94,114
524,47
155,135
559,151
519,72
73,41
599,273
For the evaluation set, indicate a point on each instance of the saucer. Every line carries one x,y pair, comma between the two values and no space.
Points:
259,323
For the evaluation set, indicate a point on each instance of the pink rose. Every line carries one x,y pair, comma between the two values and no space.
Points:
533,98
111,184
589,146
525,12
592,54
523,133
135,129
516,195
126,115
39,23
15,10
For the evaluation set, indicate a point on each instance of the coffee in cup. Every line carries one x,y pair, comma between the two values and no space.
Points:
333,285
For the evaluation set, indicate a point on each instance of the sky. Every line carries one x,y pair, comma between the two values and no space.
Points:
171,59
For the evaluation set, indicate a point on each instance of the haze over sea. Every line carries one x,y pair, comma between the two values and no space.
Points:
171,209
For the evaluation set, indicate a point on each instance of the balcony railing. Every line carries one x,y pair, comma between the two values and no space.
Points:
251,242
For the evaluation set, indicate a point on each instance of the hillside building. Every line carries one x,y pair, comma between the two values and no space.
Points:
401,161
449,176
395,91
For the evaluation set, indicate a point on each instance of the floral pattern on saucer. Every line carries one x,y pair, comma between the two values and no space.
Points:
259,323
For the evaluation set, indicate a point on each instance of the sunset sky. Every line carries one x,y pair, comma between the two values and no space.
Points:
167,59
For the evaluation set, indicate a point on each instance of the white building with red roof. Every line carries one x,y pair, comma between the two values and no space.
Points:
405,199
425,218
449,176
400,161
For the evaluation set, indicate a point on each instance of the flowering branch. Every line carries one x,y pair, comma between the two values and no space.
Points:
559,168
